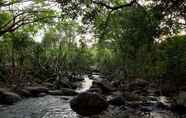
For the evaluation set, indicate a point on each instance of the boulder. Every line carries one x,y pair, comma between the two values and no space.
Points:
74,85
117,101
23,93
146,109
65,98
68,92
124,114
116,83
130,96
104,85
87,104
55,92
64,83
90,76
37,90
42,94
163,102
181,98
183,88
63,92
179,106
95,90
47,84
138,84
7,97
76,78
179,109
134,104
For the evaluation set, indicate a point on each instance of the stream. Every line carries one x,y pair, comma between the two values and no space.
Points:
58,107
44,107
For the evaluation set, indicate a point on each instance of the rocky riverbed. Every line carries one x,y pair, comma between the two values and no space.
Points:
126,99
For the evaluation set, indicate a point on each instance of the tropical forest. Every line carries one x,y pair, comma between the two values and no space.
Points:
92,59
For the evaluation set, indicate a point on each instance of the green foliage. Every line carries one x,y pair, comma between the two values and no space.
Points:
125,47
70,57
18,46
4,18
175,54
130,34
105,59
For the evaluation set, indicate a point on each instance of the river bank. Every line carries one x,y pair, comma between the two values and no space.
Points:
135,98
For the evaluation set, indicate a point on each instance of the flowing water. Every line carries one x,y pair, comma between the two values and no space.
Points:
58,107
44,107
85,85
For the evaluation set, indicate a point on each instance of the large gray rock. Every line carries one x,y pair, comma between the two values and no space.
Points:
87,104
7,97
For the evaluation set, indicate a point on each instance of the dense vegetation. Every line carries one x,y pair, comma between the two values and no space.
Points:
130,39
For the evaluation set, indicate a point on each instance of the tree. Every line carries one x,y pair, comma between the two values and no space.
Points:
169,12
131,33
16,14
175,56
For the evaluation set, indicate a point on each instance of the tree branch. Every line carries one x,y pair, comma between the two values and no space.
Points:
105,24
12,20
114,7
22,22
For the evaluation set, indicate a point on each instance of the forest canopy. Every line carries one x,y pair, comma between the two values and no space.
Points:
129,38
